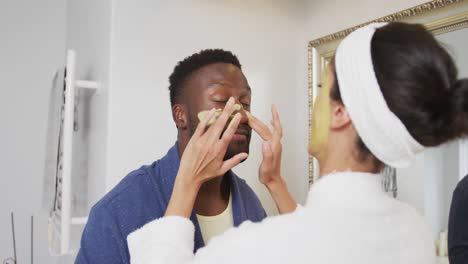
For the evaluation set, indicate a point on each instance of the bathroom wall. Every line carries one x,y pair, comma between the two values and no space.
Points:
326,17
32,48
35,36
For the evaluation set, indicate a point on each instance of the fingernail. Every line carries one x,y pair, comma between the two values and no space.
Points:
233,120
248,114
245,157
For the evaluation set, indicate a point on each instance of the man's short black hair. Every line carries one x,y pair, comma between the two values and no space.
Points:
187,66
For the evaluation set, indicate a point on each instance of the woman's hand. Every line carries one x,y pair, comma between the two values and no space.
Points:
270,168
203,159
203,156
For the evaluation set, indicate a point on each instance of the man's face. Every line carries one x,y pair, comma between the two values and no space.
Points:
211,87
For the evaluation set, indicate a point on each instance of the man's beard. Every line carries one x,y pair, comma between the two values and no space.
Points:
234,148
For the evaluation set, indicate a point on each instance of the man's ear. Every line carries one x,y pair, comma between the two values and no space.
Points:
340,116
179,114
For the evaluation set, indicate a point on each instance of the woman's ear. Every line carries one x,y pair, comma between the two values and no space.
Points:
179,114
340,116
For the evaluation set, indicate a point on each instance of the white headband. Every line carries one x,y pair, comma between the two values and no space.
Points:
379,128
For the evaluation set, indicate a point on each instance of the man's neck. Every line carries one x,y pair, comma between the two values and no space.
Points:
182,142
213,196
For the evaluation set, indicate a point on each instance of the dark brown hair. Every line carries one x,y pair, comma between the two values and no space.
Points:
189,65
418,79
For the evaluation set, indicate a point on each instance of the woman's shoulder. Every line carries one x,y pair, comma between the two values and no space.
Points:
414,229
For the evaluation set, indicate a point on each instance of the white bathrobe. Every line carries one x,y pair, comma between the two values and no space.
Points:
347,219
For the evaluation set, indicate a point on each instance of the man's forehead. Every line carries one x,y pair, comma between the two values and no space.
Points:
219,70
222,74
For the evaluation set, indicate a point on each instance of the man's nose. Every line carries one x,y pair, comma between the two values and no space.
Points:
243,113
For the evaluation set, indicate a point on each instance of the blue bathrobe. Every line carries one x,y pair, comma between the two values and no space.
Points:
141,197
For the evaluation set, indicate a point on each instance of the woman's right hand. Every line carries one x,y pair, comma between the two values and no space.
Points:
270,168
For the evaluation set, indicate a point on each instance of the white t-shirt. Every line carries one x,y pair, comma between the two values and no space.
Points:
212,226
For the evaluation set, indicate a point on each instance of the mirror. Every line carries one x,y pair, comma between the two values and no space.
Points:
429,183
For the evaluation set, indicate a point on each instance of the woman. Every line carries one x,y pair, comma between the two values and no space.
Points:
390,91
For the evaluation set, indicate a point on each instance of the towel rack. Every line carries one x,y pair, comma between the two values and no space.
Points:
62,220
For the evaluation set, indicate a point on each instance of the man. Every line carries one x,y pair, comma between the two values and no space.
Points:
200,82
458,224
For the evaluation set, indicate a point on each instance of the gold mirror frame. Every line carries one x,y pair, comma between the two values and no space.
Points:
440,16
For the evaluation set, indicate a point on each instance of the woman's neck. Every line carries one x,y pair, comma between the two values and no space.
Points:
340,161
